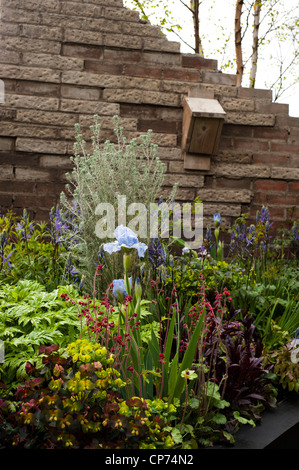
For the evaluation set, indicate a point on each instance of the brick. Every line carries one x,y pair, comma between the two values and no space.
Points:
107,122
123,41
41,146
120,55
30,201
7,114
274,108
6,173
177,86
35,45
251,145
270,134
184,181
234,130
29,73
182,75
77,93
52,62
218,78
233,210
10,57
285,173
49,188
167,153
53,161
254,93
10,29
284,148
216,195
45,117
228,183
157,126
198,62
90,79
6,143
250,119
141,83
37,88
182,194
114,3
120,14
78,9
17,15
88,107
241,171
270,186
140,96
17,187
139,29
294,188
40,32
45,5
272,159
23,101
235,104
104,67
81,51
23,130
161,45
282,200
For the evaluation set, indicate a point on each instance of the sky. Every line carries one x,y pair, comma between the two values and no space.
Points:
217,26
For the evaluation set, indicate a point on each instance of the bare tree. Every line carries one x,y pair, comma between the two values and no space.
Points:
238,41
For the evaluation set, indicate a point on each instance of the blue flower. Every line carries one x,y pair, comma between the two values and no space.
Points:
156,253
119,290
217,220
125,238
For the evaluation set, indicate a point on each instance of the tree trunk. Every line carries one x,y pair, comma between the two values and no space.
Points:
238,41
255,37
194,6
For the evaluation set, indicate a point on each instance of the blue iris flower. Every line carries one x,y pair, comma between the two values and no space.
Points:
125,238
119,290
217,219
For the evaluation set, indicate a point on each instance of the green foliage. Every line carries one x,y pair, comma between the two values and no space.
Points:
74,402
285,368
32,251
31,317
110,172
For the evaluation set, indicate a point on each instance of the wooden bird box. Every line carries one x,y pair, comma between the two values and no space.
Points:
202,125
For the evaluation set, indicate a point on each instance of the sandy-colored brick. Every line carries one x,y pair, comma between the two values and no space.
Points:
30,174
241,171
250,119
35,102
88,107
80,93
45,117
29,73
285,173
22,130
90,79
35,45
216,195
45,5
49,61
40,32
41,146
83,37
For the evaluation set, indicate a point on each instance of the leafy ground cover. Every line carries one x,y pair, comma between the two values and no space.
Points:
178,353
141,344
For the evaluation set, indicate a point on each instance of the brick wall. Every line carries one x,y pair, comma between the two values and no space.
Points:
63,61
